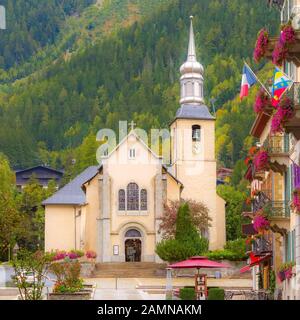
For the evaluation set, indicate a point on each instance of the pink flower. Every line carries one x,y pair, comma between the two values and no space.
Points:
287,35
284,112
260,160
296,201
91,254
60,255
261,45
279,54
260,223
262,101
72,255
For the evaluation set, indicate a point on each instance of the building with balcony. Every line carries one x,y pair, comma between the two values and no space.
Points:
275,178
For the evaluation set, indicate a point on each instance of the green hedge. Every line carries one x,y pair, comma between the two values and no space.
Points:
187,294
226,255
174,250
216,294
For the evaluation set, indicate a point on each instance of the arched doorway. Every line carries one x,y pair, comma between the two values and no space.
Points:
133,246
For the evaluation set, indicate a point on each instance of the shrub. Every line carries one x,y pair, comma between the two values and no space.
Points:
187,294
174,250
226,255
216,294
68,276
187,242
237,246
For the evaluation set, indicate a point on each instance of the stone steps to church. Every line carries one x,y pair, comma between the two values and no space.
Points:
129,270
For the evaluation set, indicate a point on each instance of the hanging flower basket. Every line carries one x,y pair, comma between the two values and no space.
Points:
281,276
262,101
261,223
287,37
286,271
261,45
285,111
296,201
261,160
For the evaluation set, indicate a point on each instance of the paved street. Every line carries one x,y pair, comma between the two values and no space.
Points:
141,288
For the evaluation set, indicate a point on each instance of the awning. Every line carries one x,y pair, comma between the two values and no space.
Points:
254,261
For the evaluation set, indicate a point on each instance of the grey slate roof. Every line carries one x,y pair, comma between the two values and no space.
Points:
72,193
190,111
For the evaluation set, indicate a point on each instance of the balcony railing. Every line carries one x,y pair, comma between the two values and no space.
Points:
262,245
260,200
279,209
277,145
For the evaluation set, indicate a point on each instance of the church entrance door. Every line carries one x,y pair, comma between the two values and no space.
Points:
133,250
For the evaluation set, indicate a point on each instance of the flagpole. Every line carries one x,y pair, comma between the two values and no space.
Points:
268,92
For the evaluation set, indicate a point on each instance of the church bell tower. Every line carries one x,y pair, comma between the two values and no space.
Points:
193,144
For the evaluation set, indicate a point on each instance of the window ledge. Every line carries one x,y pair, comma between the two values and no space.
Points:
133,213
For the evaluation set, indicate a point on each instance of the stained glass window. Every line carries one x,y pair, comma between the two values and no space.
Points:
121,199
143,199
132,197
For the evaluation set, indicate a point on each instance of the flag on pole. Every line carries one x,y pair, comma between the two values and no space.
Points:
248,80
281,82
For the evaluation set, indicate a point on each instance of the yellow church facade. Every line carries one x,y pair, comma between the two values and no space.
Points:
115,209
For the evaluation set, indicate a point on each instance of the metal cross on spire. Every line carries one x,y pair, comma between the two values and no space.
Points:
132,125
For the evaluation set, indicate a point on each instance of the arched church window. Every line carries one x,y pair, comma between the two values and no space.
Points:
196,132
132,197
121,200
189,89
144,199
133,233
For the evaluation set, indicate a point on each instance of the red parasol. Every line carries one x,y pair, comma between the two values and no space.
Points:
197,262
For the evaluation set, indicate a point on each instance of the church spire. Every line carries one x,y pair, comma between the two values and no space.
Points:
191,75
192,48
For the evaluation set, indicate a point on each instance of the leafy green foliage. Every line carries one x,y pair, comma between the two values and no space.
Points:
33,213
9,215
234,205
68,276
187,294
216,294
30,274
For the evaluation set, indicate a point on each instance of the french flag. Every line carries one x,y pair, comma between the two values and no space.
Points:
248,80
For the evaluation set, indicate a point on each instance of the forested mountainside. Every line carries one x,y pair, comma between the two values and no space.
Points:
129,73
33,24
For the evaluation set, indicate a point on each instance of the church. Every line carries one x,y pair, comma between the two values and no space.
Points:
115,209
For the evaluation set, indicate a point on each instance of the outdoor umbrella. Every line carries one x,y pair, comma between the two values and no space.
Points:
198,263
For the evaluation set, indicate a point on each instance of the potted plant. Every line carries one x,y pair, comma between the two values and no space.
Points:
69,285
88,265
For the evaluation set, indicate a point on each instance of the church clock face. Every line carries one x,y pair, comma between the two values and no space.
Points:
196,148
